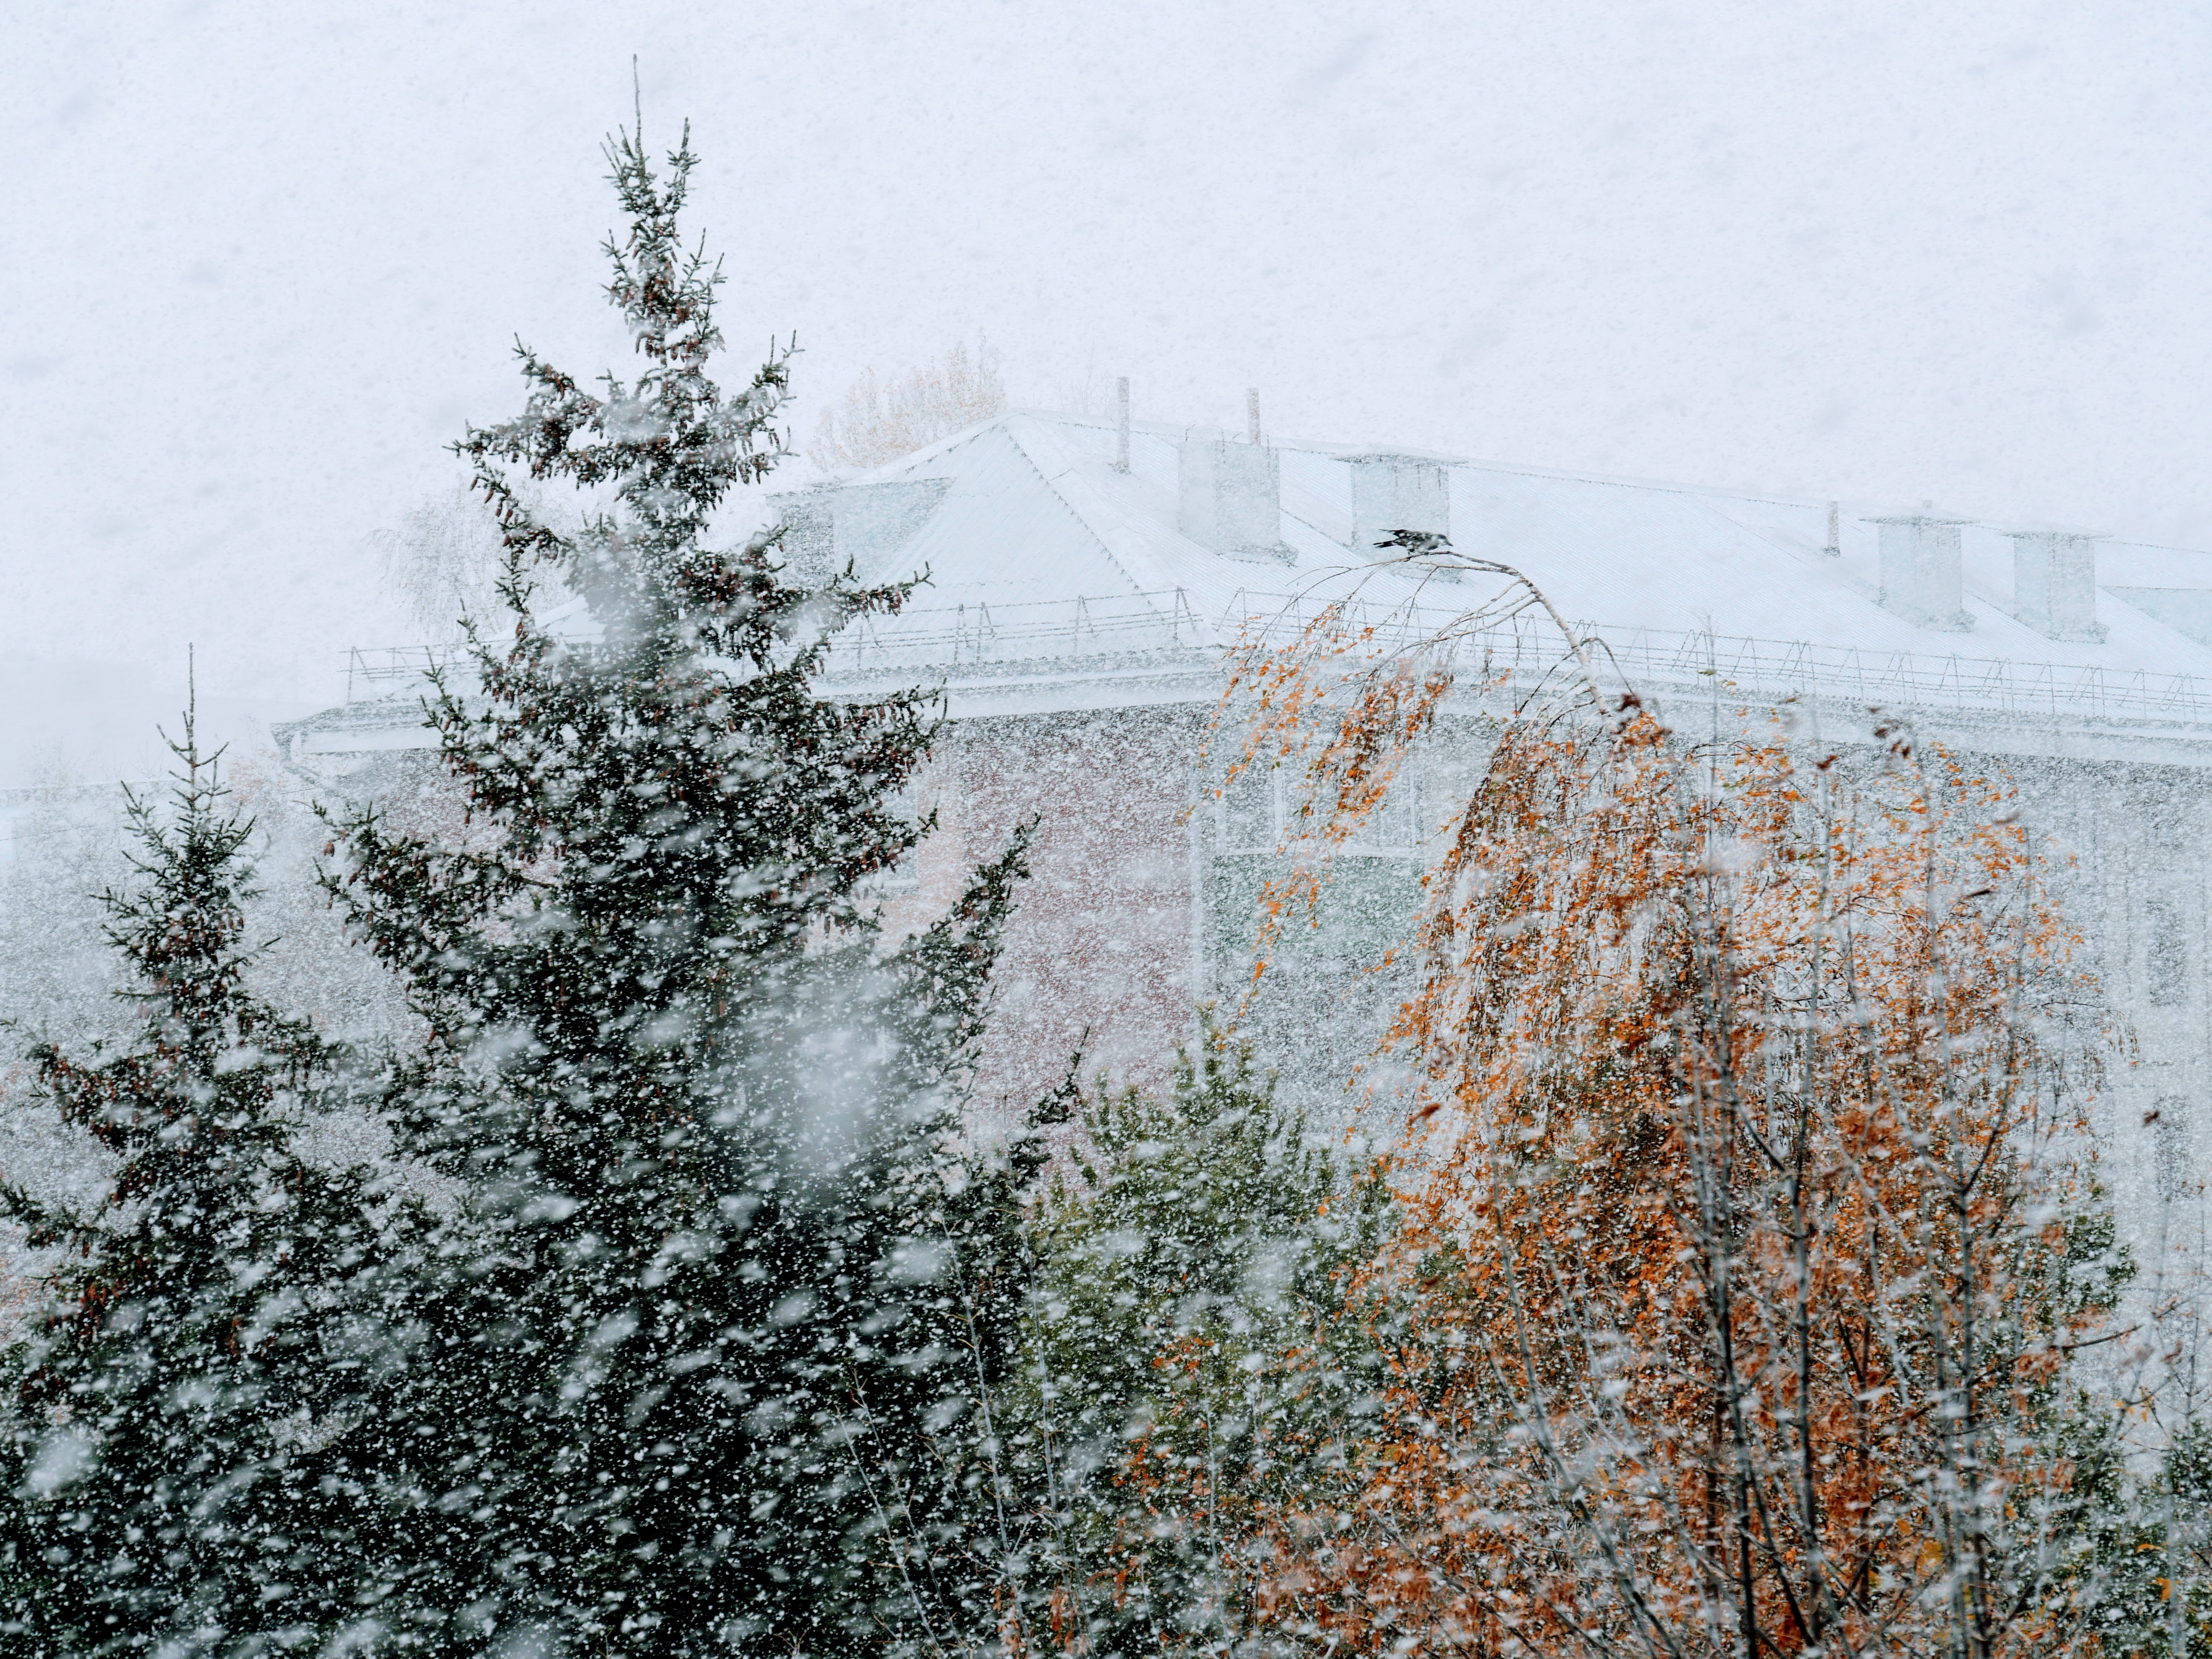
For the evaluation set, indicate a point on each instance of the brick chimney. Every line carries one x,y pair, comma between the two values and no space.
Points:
1920,570
1229,497
2054,583
1397,492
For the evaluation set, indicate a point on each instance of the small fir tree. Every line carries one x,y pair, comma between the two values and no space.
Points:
196,1404
1190,1256
710,1365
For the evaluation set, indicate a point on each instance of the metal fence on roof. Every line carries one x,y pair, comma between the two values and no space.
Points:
370,670
1024,632
1978,685
1149,625
1522,648
941,637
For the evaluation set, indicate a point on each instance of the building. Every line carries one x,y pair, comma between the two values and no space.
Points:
1087,578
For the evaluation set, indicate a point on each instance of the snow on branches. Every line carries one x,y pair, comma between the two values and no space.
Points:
1748,1223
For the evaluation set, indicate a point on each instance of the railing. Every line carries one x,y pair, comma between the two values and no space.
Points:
1044,630
367,666
1525,648
1167,623
1905,679
1025,632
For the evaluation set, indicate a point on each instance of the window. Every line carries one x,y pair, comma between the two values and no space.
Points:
2166,955
2168,1123
1248,811
1393,829
1254,814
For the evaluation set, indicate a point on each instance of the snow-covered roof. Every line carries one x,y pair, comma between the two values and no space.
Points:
1059,580
1037,513
1041,550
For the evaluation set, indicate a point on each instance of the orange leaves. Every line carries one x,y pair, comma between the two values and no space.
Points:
1724,1274
1338,708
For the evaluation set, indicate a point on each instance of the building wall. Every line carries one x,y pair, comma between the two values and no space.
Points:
1098,958
1137,910
1142,902
1138,907
2139,839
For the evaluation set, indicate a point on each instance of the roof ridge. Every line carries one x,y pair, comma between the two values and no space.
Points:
1123,546
934,450
1332,449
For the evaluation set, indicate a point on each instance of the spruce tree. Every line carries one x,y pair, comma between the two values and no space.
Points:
195,1406
1186,1353
708,1376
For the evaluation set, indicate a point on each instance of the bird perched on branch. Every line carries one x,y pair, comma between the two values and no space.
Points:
1418,541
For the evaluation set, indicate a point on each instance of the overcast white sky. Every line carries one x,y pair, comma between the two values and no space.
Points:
262,261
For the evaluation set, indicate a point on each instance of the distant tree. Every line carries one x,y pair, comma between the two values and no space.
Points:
443,563
195,1406
1086,392
713,1328
66,839
1746,1225
880,421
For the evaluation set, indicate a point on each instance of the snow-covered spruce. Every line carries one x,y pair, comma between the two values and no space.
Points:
1189,1362
708,1339
197,1409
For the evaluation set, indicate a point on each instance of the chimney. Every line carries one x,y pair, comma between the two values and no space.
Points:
1252,416
1920,570
866,524
1229,497
1122,426
1397,492
2054,584
1834,550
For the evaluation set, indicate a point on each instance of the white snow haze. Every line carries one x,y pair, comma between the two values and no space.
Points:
263,262
1432,876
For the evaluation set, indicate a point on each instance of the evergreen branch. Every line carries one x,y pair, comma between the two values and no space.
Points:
44,1224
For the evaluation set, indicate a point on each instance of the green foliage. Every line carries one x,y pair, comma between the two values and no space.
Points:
2141,1536
711,1365
2093,1266
1185,1358
197,1408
